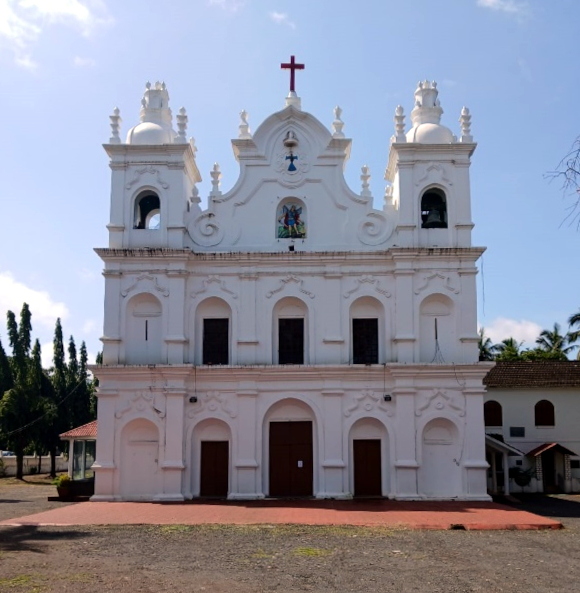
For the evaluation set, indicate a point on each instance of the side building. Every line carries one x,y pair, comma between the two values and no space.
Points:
290,339
533,408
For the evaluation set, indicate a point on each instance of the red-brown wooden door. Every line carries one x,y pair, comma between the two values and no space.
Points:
291,467
367,467
214,468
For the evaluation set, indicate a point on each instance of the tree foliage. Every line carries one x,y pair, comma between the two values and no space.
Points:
37,405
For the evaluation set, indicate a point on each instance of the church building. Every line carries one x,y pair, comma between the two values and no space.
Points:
290,340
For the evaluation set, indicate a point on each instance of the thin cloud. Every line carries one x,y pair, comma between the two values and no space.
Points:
43,307
228,5
84,62
23,22
513,7
522,330
282,18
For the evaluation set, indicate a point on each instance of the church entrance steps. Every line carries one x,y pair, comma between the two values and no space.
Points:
373,513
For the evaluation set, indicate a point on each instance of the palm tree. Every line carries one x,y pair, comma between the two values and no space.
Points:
508,349
486,347
574,336
554,342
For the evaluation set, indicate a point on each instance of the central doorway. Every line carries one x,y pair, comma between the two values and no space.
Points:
291,465
367,467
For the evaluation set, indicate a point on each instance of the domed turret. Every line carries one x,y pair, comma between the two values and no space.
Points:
156,118
426,117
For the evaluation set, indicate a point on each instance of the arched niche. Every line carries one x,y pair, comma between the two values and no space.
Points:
433,209
144,330
367,331
439,471
369,458
492,413
140,472
437,332
211,454
213,332
147,211
291,219
290,329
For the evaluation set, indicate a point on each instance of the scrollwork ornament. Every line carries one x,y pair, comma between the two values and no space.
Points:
375,229
205,230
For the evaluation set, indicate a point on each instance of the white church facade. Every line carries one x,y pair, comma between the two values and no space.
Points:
290,339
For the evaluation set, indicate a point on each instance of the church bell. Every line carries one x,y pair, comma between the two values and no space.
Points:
434,220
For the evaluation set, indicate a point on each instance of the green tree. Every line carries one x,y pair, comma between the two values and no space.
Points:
21,404
554,342
574,333
508,349
486,347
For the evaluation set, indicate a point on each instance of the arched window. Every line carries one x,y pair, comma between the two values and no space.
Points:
290,331
366,319
544,413
492,413
147,211
434,209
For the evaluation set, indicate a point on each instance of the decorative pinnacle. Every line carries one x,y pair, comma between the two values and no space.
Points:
193,146
399,124
115,126
216,176
365,176
182,120
465,121
244,128
337,124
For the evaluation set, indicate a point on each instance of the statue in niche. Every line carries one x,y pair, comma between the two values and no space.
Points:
291,225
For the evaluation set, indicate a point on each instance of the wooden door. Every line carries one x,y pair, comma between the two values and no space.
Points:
549,472
367,467
291,465
214,468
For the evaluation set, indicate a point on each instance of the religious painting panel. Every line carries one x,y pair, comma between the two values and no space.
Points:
291,220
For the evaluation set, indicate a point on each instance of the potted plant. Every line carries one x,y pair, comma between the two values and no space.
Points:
63,485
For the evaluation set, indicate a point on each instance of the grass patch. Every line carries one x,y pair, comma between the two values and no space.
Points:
173,529
22,581
312,552
262,554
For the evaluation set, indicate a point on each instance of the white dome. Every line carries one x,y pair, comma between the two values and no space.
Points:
150,133
429,133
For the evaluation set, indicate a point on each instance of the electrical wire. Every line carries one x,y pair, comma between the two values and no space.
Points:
46,413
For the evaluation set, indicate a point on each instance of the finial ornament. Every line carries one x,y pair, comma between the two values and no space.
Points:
365,176
216,176
427,107
193,146
337,124
465,121
400,124
182,120
244,128
115,126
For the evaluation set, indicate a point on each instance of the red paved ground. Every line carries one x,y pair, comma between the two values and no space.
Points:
414,515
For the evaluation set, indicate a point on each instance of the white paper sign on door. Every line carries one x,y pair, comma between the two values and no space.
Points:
300,464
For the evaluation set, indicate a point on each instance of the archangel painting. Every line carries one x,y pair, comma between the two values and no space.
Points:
291,222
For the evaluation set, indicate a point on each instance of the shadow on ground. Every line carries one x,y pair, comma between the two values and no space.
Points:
548,505
29,538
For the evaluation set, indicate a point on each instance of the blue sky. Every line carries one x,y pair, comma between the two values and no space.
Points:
67,63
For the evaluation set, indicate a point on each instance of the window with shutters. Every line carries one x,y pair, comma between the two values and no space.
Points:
365,341
216,341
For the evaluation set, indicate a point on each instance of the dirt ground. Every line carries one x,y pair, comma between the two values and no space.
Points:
284,559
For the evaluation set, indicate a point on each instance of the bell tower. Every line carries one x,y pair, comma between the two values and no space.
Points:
428,170
153,176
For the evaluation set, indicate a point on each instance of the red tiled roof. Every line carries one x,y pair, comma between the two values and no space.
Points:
84,431
545,373
556,446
